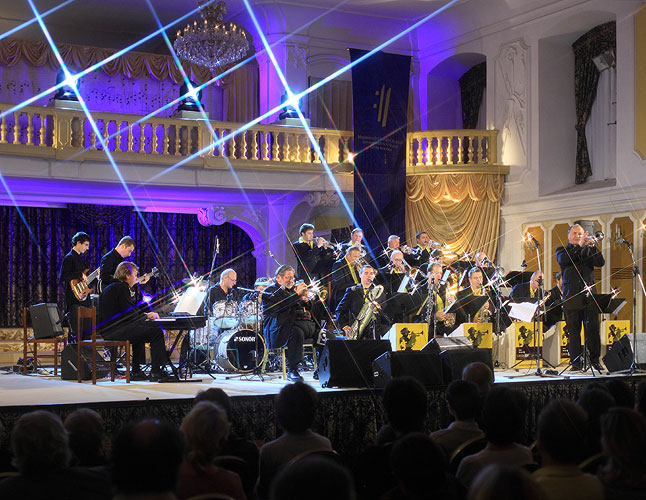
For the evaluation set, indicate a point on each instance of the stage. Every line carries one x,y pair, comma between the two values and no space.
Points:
350,417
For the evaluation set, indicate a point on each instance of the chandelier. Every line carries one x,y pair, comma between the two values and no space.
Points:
212,42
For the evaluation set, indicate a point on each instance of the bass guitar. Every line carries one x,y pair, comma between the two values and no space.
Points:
81,288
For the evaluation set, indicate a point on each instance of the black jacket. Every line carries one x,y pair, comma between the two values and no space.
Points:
522,290
72,268
118,308
307,259
109,263
351,304
577,268
554,308
279,307
341,280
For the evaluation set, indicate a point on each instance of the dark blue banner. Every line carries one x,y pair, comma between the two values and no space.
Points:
380,106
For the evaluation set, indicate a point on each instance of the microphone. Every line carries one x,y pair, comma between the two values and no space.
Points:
217,244
445,277
624,242
534,240
523,264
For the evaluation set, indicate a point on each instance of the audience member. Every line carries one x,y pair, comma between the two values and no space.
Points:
42,456
295,407
314,478
404,401
234,446
420,468
622,393
640,399
560,438
86,437
623,438
464,405
205,429
503,482
481,375
595,399
503,419
146,457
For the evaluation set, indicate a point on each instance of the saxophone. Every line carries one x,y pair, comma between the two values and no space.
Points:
365,314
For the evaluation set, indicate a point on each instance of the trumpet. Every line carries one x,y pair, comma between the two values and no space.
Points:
595,238
313,290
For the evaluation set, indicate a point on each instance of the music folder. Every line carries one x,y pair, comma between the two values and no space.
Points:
190,302
607,303
470,305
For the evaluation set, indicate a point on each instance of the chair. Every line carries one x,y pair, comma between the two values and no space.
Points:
97,343
240,466
211,496
470,447
282,353
320,452
591,464
35,342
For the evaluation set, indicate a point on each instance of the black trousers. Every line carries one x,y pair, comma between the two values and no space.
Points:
294,347
138,334
574,319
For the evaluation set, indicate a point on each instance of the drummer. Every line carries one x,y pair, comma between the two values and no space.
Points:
221,290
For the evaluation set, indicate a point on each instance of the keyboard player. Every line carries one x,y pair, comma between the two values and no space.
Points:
122,320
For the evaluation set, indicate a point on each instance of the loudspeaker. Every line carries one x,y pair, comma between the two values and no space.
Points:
454,361
68,364
620,356
45,321
348,363
424,366
439,344
639,351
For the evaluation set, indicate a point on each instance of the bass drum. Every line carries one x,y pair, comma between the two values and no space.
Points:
235,351
225,314
247,311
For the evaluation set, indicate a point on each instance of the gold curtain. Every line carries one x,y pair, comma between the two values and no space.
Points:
241,90
331,105
462,210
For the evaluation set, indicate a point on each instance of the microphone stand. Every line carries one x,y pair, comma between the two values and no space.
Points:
636,276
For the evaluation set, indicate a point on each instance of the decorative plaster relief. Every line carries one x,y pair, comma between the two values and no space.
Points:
322,198
297,55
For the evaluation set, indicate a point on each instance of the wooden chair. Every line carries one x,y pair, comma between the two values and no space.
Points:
28,341
282,353
97,343
467,448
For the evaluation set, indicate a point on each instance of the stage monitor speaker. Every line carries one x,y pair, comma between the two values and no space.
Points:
454,361
439,344
69,360
348,363
424,366
45,321
639,351
620,356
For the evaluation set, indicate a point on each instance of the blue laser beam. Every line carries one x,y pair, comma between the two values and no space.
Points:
32,21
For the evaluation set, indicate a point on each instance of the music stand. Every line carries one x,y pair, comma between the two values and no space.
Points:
469,305
514,278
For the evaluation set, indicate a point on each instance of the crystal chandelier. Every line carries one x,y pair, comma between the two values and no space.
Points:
212,42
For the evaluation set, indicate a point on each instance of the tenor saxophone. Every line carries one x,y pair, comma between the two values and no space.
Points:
365,314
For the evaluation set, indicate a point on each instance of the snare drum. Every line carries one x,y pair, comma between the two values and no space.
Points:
225,314
202,337
235,351
247,310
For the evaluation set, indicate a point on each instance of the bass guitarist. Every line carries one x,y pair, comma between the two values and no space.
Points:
74,267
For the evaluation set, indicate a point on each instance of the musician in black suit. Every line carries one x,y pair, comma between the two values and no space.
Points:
308,252
356,237
433,312
466,314
221,290
553,304
113,258
345,273
74,267
578,260
279,310
383,259
353,301
400,304
121,319
530,289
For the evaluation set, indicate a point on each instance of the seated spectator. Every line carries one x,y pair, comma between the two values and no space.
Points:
640,399
503,419
595,399
561,432
405,401
86,437
464,405
205,429
42,456
622,393
234,446
295,407
623,439
502,482
146,457
314,478
420,468
481,375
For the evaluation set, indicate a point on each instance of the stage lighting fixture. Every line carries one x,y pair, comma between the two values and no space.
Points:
66,92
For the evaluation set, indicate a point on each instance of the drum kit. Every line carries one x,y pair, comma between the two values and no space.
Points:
233,337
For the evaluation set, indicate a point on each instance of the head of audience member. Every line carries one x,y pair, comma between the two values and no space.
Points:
595,399
146,457
356,236
419,466
125,247
205,429
463,400
503,416
87,437
228,279
295,407
480,374
503,482
640,399
393,242
217,396
405,400
623,440
621,392
39,442
314,477
561,433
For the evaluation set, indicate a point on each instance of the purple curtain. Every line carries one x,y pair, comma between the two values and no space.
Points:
32,249
472,86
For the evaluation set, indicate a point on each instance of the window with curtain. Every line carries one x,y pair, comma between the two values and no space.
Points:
601,129
330,106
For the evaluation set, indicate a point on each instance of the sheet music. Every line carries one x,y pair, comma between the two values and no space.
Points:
190,301
524,311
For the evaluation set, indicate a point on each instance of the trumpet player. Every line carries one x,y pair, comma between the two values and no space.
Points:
577,261
308,253
393,245
355,298
345,273
356,238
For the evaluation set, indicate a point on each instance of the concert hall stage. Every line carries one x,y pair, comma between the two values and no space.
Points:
349,417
